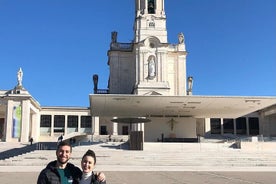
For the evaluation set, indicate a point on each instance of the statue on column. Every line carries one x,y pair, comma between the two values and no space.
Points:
114,37
19,77
181,38
95,80
113,44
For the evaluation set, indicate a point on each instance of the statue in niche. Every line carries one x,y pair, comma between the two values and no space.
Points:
114,36
151,68
172,123
19,77
181,38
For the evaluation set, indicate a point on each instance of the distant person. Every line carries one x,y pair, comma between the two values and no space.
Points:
60,139
61,171
87,164
31,140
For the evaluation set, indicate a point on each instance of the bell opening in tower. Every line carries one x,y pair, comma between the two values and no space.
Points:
151,6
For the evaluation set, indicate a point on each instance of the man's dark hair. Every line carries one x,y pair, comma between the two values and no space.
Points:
91,154
64,143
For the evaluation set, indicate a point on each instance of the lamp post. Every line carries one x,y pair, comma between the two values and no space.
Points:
190,85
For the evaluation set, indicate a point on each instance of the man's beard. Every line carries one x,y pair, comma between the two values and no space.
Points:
62,162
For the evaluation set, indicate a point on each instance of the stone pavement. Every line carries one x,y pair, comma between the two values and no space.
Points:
162,164
156,157
161,177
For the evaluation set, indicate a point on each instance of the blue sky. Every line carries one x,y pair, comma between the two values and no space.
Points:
60,44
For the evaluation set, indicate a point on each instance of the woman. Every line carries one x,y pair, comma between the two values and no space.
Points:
87,164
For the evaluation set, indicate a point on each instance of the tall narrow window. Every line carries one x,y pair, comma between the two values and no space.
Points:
215,126
228,126
103,130
72,122
45,124
45,121
253,126
86,122
125,130
59,123
241,125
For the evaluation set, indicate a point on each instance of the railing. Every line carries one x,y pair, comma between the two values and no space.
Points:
121,46
101,91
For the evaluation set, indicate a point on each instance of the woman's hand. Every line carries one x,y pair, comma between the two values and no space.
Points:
100,176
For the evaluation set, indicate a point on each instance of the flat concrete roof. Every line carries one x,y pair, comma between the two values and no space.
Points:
177,106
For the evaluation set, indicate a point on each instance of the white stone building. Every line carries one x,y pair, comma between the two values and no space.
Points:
147,82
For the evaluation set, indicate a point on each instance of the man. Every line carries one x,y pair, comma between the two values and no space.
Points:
31,140
60,171
60,139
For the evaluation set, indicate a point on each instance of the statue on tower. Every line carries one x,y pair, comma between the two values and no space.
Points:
95,80
19,77
114,37
181,38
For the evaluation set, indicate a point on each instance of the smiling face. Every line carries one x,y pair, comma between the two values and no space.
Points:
63,154
87,164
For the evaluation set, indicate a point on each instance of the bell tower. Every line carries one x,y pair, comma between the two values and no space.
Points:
149,65
150,19
160,66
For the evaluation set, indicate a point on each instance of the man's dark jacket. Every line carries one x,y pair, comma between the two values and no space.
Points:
50,174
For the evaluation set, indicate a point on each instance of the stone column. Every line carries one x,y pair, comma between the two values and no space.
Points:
115,129
207,126
35,131
25,121
8,121
221,128
138,127
134,126
79,123
52,125
264,125
138,8
235,127
65,124
247,126
95,125
146,7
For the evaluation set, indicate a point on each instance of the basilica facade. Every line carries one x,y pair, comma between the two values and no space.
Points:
148,91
